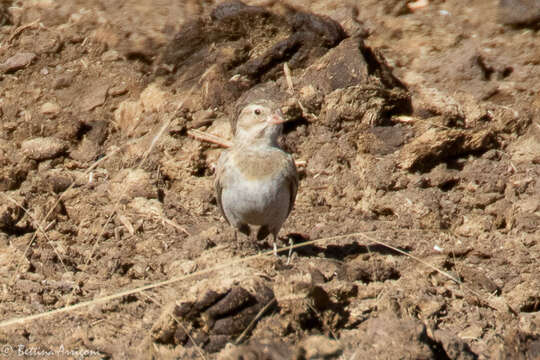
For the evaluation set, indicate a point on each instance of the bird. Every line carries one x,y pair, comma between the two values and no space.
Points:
256,181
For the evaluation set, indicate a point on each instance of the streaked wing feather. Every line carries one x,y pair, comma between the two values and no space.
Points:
292,179
218,182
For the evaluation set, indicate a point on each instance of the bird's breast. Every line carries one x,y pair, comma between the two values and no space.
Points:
260,165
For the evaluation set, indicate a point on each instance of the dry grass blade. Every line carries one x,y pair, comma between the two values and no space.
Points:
287,72
174,225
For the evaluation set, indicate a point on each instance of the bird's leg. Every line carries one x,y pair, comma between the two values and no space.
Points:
291,243
275,246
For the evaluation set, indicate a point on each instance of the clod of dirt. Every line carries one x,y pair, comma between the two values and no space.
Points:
438,145
56,180
388,337
96,97
257,350
153,98
63,81
127,116
311,348
519,12
215,318
349,63
529,324
241,45
43,148
307,302
10,214
89,148
357,85
318,347
428,102
17,62
12,175
525,297
110,55
50,109
368,270
132,183
452,346
5,16
360,104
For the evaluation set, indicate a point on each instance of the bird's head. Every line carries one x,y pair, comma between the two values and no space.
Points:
260,121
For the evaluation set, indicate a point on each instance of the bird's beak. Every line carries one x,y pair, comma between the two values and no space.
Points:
276,118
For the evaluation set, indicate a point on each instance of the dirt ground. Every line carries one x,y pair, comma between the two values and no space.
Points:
419,127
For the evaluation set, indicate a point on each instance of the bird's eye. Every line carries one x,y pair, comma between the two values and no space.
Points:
257,111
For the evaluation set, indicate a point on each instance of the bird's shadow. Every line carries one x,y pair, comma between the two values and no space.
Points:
339,252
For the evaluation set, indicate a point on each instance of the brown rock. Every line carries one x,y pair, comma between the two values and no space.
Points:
43,148
50,108
17,62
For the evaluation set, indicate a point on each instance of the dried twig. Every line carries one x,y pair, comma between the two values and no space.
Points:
173,224
287,72
204,136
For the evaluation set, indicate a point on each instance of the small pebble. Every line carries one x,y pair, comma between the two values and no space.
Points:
50,109
63,81
111,55
17,62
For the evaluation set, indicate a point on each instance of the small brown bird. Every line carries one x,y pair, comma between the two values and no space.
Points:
256,181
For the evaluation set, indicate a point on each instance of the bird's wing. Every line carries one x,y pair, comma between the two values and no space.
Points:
292,180
218,182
